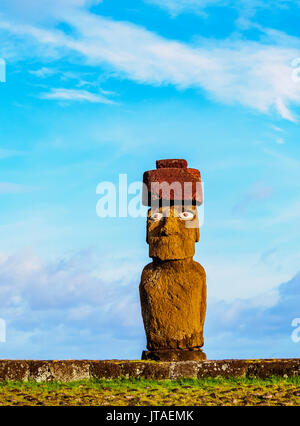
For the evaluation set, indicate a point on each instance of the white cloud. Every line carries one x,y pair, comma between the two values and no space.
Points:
76,298
257,327
254,74
283,110
71,307
276,128
242,277
248,7
75,95
43,10
43,72
14,188
174,7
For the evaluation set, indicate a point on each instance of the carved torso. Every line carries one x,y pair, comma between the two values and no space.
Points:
173,296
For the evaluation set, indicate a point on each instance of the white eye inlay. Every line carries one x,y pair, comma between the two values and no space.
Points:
186,215
156,216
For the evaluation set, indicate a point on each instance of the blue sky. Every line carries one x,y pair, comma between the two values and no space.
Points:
98,88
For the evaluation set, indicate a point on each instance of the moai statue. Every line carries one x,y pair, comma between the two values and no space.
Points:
173,286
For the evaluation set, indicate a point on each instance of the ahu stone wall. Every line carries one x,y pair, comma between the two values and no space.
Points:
73,370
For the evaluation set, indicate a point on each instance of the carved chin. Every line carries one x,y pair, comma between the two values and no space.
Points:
171,247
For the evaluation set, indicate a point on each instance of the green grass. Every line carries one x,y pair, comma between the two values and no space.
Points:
211,391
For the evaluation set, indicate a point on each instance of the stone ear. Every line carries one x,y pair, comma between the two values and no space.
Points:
197,235
147,234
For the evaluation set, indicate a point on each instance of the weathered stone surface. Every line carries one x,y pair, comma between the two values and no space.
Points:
186,183
105,369
171,163
157,370
64,371
226,368
41,371
174,355
14,370
187,369
152,370
133,369
173,299
169,235
273,367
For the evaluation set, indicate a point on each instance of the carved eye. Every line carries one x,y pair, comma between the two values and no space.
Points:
156,216
186,215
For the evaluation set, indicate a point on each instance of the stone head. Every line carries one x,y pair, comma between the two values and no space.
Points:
172,191
172,232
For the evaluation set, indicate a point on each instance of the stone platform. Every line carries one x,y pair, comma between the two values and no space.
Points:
66,371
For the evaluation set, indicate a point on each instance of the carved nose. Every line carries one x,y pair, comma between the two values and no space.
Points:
169,227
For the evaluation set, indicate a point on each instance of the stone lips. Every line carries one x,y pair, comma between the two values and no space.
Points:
172,181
